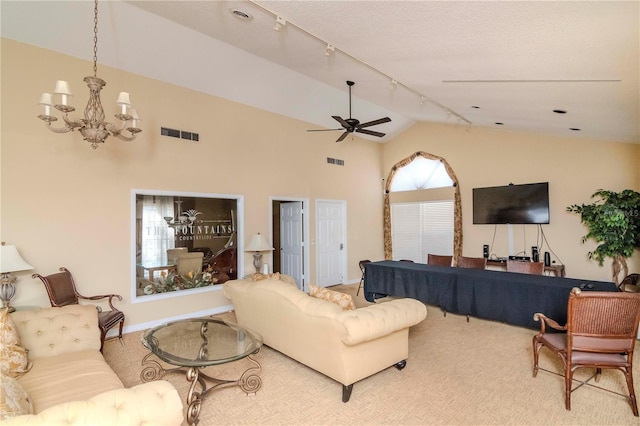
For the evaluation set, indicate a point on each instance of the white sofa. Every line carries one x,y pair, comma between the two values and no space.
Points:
70,382
346,345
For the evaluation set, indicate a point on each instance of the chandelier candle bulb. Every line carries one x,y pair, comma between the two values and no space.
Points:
124,101
45,101
63,89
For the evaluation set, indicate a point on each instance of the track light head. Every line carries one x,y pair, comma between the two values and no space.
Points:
330,49
280,22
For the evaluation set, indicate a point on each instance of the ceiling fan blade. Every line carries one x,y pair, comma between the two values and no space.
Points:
341,138
324,130
374,122
370,132
341,121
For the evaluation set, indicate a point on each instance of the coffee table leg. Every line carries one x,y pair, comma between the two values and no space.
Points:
194,398
250,382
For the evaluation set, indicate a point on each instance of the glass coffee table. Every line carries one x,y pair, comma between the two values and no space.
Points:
193,344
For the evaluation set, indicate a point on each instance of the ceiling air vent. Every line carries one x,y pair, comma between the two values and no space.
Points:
180,134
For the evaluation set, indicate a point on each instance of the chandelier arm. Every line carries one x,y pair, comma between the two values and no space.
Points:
65,129
72,124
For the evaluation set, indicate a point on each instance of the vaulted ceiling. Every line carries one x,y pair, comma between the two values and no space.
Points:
497,64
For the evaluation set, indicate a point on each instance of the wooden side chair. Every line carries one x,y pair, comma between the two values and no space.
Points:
524,267
601,332
361,264
472,262
62,292
439,260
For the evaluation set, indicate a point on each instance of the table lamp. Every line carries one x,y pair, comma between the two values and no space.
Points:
257,244
10,262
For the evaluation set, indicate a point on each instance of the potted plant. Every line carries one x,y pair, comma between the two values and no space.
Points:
613,221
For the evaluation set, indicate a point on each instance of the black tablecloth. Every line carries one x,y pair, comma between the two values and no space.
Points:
495,295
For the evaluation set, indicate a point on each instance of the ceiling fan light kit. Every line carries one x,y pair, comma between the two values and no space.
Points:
351,125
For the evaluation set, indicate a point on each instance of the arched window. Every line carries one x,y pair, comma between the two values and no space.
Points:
422,211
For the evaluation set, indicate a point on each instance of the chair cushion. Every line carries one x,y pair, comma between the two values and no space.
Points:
13,357
108,319
557,341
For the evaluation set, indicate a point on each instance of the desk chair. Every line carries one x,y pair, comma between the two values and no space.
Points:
62,292
472,262
525,267
361,264
439,260
601,332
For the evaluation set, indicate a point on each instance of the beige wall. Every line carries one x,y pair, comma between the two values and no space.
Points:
64,204
575,169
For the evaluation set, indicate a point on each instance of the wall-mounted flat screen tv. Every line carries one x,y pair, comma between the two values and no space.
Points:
515,204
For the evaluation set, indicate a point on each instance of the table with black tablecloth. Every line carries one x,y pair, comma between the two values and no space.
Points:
495,295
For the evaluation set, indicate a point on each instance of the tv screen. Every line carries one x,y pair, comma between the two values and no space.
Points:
516,204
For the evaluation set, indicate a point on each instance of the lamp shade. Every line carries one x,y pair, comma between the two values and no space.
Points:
258,243
11,260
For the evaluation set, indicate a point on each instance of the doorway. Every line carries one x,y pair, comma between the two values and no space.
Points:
290,233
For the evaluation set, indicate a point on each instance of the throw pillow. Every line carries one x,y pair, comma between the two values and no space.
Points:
14,401
345,301
257,276
13,357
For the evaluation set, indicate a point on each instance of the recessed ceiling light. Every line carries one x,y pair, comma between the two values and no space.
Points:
559,111
575,129
499,123
475,106
243,16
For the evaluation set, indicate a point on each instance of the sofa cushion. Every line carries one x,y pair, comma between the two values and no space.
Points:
67,377
155,403
345,301
13,357
14,400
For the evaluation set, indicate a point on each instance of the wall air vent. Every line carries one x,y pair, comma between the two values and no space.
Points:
180,134
335,161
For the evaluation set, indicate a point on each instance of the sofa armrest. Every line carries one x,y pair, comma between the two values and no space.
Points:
380,319
154,403
51,331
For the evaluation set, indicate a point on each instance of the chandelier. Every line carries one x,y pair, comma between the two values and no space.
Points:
186,218
93,127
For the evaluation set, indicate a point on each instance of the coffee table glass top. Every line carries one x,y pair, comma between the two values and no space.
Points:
200,342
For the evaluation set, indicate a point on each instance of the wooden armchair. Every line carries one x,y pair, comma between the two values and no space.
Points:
524,267
62,292
472,262
439,260
601,332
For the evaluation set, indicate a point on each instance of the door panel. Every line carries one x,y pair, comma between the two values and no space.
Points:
291,244
330,242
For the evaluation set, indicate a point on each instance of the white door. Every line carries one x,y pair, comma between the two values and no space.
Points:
291,244
331,244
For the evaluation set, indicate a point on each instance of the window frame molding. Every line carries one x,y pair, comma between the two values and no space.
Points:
457,205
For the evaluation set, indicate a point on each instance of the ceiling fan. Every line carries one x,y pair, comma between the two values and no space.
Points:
350,125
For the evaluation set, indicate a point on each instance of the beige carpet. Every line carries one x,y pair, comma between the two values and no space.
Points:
458,373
